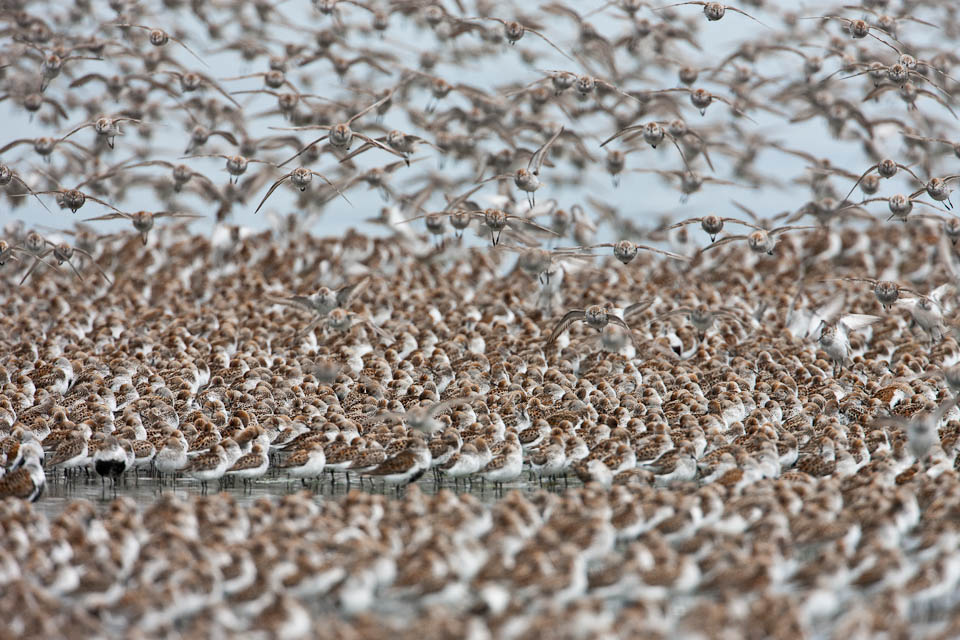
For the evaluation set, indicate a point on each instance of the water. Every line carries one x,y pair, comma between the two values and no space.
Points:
146,488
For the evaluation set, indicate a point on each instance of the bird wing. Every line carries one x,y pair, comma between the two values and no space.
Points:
612,319
937,294
743,222
944,409
684,223
566,321
829,310
780,230
669,254
723,241
637,307
536,160
348,292
272,188
855,321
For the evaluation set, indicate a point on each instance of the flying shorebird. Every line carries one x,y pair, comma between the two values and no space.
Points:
595,315
834,336
886,292
702,317
324,300
922,429
423,418
927,311
528,179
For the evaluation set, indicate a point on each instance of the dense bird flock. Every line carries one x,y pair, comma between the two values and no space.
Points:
559,409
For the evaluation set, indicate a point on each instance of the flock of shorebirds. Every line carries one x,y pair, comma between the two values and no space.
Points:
721,426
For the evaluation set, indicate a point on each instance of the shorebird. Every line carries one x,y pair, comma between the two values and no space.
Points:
306,462
26,482
171,457
528,180
927,311
507,466
702,317
250,466
324,299
405,467
834,336
143,221
110,460
713,11
921,429
301,177
712,225
886,292
759,241
422,418
595,316
207,466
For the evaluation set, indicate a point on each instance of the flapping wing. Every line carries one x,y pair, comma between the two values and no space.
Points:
272,188
536,160
723,241
669,254
347,292
856,321
566,321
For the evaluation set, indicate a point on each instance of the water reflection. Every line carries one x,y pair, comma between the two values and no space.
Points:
146,489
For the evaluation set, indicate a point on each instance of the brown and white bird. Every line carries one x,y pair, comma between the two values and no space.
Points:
306,462
26,482
405,467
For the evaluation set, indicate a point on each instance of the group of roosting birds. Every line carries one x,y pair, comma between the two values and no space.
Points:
752,429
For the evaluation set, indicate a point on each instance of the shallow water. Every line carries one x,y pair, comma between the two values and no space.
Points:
146,489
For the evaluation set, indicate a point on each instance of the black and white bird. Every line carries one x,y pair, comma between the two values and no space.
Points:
110,460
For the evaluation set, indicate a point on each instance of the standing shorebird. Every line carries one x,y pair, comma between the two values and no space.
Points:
26,482
405,467
210,465
250,466
306,462
110,460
